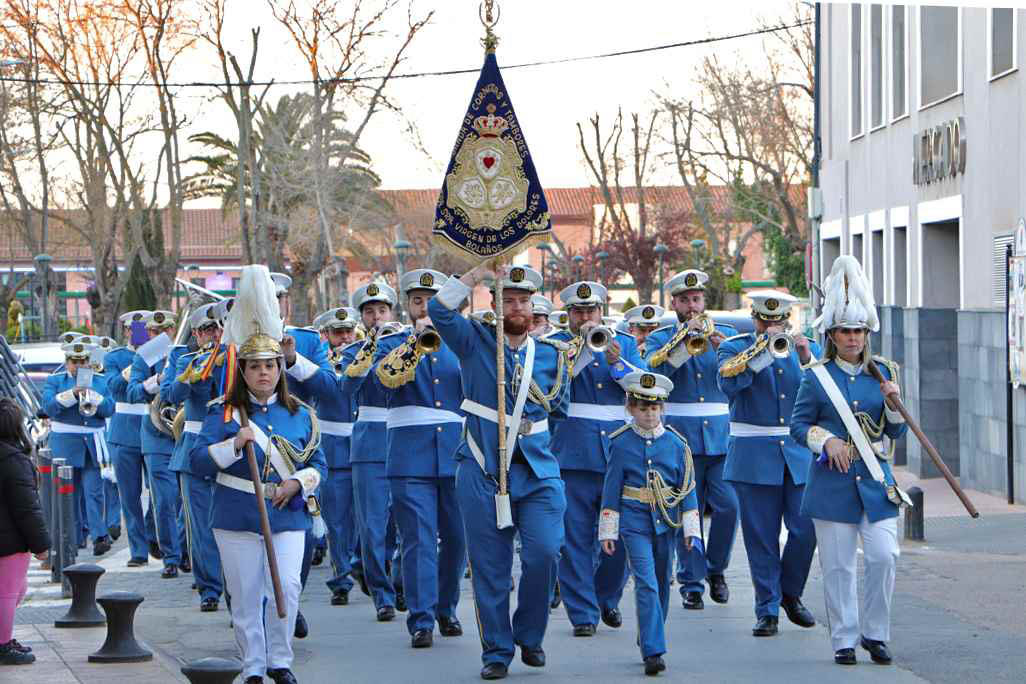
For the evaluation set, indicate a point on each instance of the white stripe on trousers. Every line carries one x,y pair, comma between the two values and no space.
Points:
838,545
264,640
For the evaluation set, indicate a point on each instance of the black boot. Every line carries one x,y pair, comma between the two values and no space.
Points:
766,626
796,612
877,651
718,590
654,665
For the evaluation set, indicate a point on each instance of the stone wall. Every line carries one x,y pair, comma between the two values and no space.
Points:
890,343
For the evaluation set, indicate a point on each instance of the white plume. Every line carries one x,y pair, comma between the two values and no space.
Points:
847,298
255,309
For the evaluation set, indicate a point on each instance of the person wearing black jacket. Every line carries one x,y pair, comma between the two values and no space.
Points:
22,527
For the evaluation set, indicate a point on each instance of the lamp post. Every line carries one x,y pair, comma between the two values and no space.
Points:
544,248
697,246
602,256
553,273
400,246
43,271
578,260
661,250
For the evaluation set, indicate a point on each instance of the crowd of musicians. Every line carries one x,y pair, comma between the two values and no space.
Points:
376,446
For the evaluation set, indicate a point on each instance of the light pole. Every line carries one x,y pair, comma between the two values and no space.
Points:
43,271
400,246
697,246
578,260
544,248
661,250
602,256
553,273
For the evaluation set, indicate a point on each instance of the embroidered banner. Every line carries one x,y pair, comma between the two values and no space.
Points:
491,203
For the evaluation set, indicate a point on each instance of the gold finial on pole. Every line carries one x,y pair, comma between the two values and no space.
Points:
489,20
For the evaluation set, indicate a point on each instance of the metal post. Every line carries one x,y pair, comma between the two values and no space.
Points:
915,525
815,194
56,533
69,524
45,468
1009,390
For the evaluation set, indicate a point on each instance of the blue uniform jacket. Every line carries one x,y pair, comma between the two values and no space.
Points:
693,383
763,399
831,494
151,440
124,427
631,456
312,348
422,443
335,409
369,443
234,509
473,342
195,397
582,443
74,447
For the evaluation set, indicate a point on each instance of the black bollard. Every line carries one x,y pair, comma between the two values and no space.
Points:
45,468
120,645
915,524
212,670
56,545
83,611
69,523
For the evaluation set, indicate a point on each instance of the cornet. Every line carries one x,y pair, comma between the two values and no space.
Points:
697,341
88,403
388,328
598,338
428,341
781,345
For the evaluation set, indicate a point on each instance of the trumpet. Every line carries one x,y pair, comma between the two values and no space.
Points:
697,341
598,338
428,341
781,345
387,329
87,403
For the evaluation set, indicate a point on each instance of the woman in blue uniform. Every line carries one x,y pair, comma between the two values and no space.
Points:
850,492
286,442
649,495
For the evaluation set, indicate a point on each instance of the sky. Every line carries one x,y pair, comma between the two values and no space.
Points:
549,100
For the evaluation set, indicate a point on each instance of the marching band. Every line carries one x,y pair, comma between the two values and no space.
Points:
383,439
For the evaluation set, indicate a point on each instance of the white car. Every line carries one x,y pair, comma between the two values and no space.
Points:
39,359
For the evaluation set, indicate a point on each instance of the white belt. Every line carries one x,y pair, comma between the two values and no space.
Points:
238,483
330,427
193,426
710,408
131,409
749,430
597,412
410,416
99,440
372,414
490,414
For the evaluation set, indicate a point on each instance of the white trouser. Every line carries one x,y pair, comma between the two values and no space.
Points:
838,544
264,639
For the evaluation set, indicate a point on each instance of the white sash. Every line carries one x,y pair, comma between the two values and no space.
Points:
850,423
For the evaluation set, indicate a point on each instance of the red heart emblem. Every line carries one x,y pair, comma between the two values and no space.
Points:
488,161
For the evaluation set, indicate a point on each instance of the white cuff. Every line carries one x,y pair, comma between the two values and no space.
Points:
583,359
893,417
763,360
67,398
817,438
452,294
151,384
224,453
303,369
609,525
308,479
691,524
679,356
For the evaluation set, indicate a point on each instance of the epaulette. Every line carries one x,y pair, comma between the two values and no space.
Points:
619,431
216,401
558,344
892,366
670,428
737,337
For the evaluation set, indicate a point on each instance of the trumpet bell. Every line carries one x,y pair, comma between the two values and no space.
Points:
598,338
429,341
696,345
86,405
781,345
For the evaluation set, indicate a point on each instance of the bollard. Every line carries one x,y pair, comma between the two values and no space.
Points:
915,525
56,534
212,670
69,529
83,611
45,468
120,645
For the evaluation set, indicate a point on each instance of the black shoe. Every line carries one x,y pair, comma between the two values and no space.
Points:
170,572
357,574
318,557
137,562
654,665
82,544
450,627
10,655
584,630
209,605
114,531
796,612
340,597
155,551
400,602
612,618
254,679
282,675
533,657
194,586
302,629
101,546
13,643
845,656
494,671
877,651
766,626
556,598
718,590
386,614
186,564
422,638
693,600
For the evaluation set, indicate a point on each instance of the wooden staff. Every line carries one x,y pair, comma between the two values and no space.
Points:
895,403
500,376
265,523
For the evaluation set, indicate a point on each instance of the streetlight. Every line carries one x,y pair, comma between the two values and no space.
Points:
697,246
43,269
544,248
661,250
602,256
554,273
578,260
400,246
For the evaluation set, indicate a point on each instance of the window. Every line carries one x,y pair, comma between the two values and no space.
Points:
855,36
876,68
1001,35
899,63
940,54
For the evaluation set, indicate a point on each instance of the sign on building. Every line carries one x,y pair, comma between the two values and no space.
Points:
1017,307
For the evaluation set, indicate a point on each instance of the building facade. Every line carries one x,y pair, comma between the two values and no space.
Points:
923,181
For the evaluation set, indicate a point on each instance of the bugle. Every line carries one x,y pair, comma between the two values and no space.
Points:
598,337
428,341
781,345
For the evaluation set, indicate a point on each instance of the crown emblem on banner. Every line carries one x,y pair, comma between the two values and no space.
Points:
490,126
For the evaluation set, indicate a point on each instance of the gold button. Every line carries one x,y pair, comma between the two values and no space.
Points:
602,432
705,422
650,461
434,359
649,442
356,413
856,402
858,477
264,409
698,375
783,396
439,428
270,428
781,442
595,364
781,421
436,381
438,403
598,385
851,379
701,398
